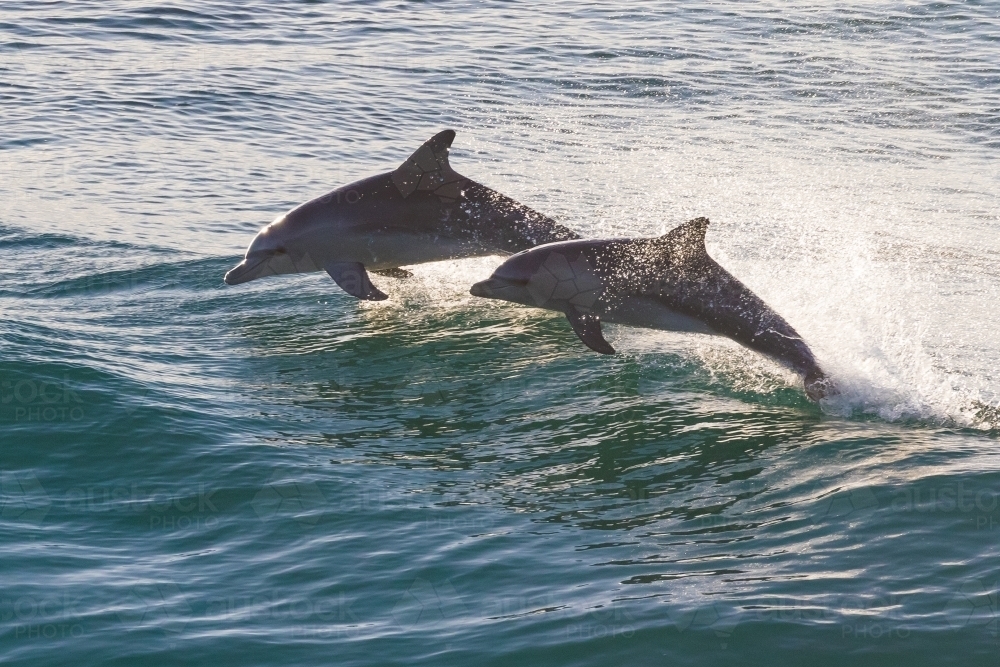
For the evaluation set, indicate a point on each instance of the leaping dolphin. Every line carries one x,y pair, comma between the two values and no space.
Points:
423,211
667,283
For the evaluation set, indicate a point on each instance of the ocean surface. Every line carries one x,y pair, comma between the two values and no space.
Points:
278,474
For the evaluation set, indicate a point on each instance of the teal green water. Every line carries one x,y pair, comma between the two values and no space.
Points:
275,473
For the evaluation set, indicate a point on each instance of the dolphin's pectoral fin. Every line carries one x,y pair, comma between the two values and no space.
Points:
353,279
394,273
588,328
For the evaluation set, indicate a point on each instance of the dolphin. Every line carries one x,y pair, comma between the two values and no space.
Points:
423,211
667,283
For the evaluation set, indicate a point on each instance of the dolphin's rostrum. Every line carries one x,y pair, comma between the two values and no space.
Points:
667,283
423,211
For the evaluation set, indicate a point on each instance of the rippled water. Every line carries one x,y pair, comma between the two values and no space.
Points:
275,473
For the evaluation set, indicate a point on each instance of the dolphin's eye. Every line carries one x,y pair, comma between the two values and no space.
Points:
280,251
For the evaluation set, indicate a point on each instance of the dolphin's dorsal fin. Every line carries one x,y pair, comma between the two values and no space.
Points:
428,169
687,242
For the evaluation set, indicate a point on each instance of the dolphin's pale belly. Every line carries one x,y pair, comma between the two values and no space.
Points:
375,252
649,313
386,251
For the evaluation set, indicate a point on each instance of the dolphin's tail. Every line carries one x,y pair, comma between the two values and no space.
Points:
819,385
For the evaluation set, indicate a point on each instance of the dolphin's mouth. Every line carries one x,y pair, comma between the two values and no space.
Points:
495,288
247,270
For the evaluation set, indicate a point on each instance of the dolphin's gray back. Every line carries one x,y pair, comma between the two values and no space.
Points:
505,224
470,211
425,196
677,271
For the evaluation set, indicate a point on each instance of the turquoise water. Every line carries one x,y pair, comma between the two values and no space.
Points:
275,473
